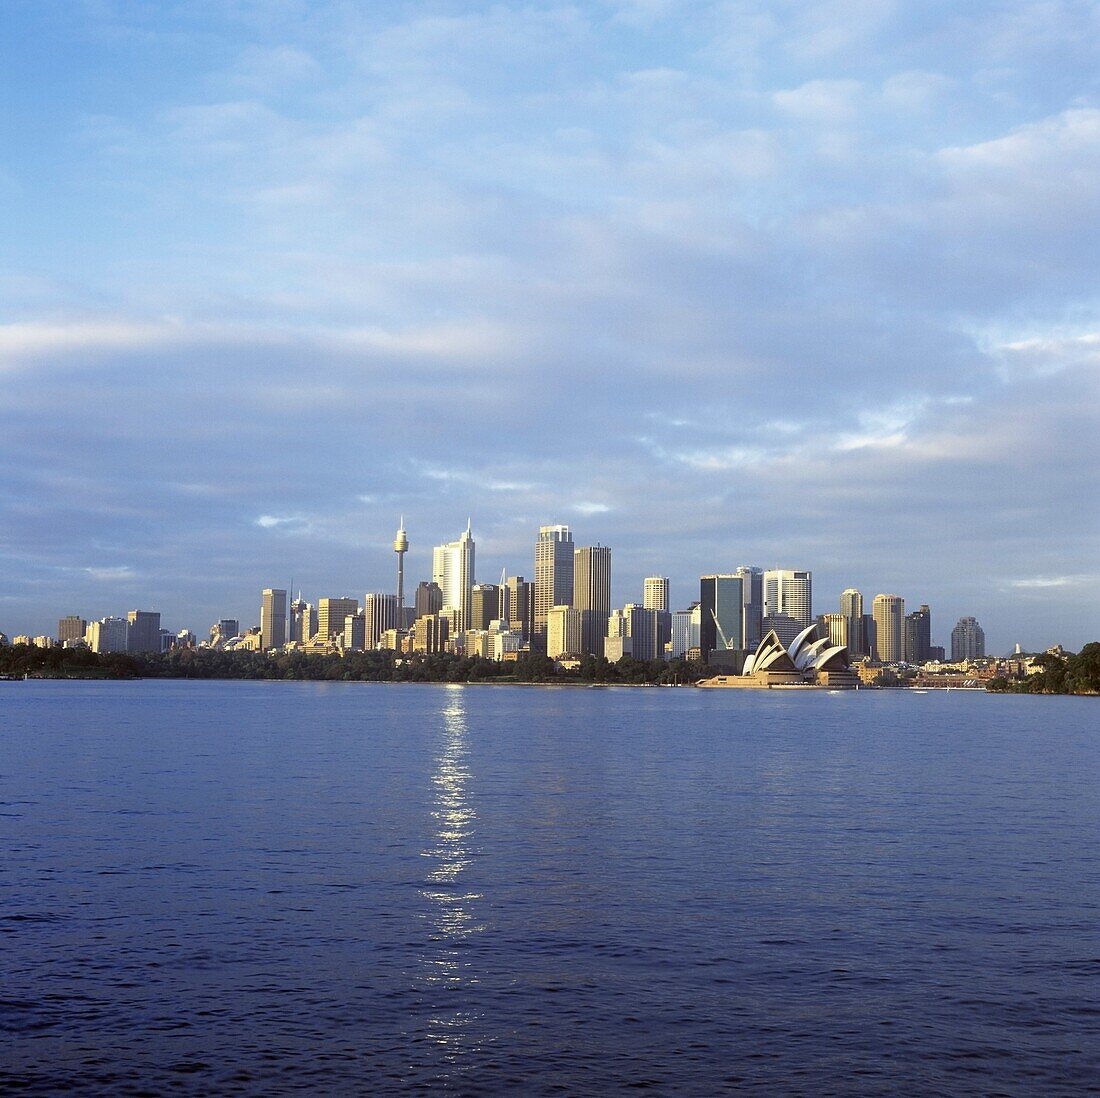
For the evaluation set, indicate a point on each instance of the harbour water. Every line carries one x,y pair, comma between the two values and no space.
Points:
352,888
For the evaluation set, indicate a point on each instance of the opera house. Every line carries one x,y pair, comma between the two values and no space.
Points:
810,661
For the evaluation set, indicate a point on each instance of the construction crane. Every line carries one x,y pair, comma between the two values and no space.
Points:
725,643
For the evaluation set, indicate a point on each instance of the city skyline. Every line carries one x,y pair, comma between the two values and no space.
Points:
758,596
813,288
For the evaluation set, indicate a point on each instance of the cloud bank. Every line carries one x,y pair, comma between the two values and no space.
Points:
798,284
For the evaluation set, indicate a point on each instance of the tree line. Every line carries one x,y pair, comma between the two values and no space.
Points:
375,666
1071,674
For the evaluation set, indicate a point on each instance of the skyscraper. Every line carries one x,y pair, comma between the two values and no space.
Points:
453,570
71,628
592,593
721,609
682,636
752,583
642,626
851,606
353,638
967,641
655,593
889,614
303,620
789,592
484,605
564,632
272,618
331,614
836,628
429,598
108,635
918,635
516,605
553,575
145,629
379,614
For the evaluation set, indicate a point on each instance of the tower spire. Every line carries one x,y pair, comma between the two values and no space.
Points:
401,547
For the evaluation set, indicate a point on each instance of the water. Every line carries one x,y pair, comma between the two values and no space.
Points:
347,888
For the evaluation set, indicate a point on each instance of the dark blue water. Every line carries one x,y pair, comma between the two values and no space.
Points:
218,887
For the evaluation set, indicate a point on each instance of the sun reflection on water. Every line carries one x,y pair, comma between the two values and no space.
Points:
451,916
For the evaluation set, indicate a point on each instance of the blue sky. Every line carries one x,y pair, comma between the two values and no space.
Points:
796,284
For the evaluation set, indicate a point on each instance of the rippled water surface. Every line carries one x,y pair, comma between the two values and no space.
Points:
349,888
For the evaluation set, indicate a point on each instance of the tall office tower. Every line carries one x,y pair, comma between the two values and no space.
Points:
379,614
967,641
429,598
401,547
273,618
889,614
353,637
788,592
655,593
680,635
918,635
145,630
517,604
752,582
331,614
721,610
453,570
851,606
592,593
835,627
564,632
870,635
641,626
71,628
553,575
484,605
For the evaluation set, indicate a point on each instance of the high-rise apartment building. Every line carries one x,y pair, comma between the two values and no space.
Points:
564,632
553,574
379,614
429,598
655,593
752,585
453,570
592,593
273,618
144,630
484,605
918,635
721,614
789,592
967,641
108,635
889,614
71,628
331,615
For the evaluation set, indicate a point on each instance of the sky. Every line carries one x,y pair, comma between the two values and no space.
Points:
792,284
